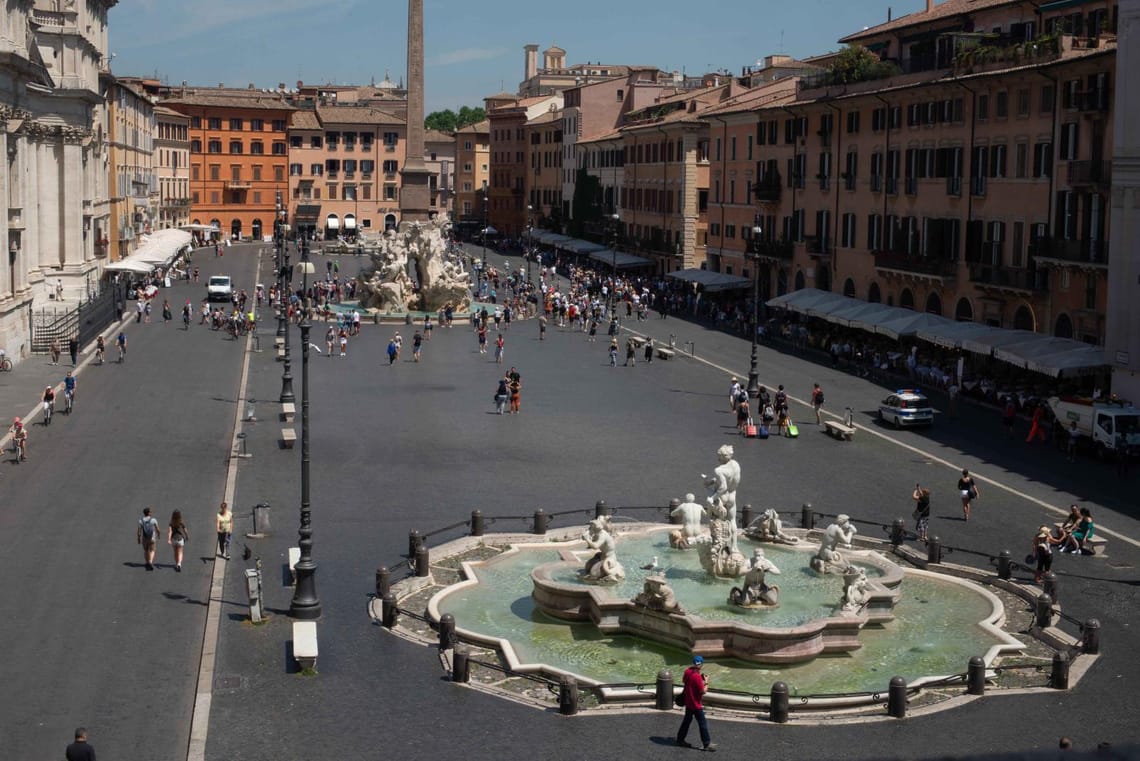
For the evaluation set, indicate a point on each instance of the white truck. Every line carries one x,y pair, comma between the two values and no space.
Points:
1105,423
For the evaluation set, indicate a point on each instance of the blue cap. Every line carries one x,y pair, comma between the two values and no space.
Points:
698,660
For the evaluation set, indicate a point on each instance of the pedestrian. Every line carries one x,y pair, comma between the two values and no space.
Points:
147,537
121,341
1037,430
73,350
225,530
648,350
417,345
176,536
817,402
55,351
502,394
80,750
427,327
921,499
694,686
1008,414
393,351
733,393
481,333
630,352
613,352
146,313
1074,439
499,347
743,411
542,327
968,490
343,337
1077,540
514,385
330,340
139,308
1042,551
593,334
167,315
953,392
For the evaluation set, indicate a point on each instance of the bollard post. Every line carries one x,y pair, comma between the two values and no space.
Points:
1050,585
1091,641
446,631
383,581
745,516
1059,679
664,695
896,697
1043,611
976,676
415,541
1005,565
673,505
567,696
601,509
897,529
807,517
460,666
778,703
934,550
388,611
476,523
540,521
422,561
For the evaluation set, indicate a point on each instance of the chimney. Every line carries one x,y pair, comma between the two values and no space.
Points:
929,5
531,62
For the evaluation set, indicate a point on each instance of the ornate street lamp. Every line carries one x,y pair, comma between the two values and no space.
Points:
305,604
529,240
287,395
486,224
615,232
753,373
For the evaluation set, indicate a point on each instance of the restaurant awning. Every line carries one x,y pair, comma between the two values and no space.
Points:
580,246
307,213
549,237
159,250
333,222
986,343
799,301
1078,360
854,313
709,280
952,334
619,259
908,325
349,222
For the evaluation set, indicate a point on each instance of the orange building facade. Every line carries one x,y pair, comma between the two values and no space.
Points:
472,170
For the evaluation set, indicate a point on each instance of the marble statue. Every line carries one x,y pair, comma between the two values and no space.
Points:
658,595
827,558
856,590
386,283
690,513
755,590
604,565
722,486
768,528
719,555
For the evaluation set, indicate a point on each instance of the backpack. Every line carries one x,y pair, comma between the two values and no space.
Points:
148,525
819,397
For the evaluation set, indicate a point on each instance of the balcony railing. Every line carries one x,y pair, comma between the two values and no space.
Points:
954,186
900,260
1094,252
1035,281
1092,101
774,249
1095,173
769,192
977,186
818,245
237,185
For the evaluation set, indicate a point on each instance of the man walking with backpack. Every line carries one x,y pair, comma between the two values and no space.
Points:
817,402
147,535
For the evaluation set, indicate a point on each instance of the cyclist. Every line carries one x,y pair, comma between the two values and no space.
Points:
19,439
69,391
49,404
186,312
122,342
100,349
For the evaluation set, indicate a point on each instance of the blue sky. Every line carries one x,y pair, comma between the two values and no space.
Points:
469,55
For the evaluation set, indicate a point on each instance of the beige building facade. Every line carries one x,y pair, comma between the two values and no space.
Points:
133,179
172,165
472,171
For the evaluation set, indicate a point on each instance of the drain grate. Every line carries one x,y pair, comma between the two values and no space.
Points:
227,683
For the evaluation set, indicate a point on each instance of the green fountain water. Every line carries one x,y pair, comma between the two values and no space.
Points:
937,625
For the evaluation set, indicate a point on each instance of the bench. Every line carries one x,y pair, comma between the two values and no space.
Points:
294,558
839,430
637,341
288,412
305,644
279,342
665,352
1098,544
280,353
288,438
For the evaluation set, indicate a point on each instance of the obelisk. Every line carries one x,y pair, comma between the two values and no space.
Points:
415,195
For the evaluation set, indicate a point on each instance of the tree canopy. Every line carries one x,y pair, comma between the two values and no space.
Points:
449,121
856,63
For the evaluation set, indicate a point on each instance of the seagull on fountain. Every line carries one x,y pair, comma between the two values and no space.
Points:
651,565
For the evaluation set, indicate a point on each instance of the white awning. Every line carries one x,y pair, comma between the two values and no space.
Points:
619,259
333,222
349,222
159,251
909,325
709,280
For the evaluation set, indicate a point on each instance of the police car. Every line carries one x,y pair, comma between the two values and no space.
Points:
907,406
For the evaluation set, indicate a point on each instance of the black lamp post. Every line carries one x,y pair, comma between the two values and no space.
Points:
287,395
305,604
279,251
529,240
753,373
486,224
615,231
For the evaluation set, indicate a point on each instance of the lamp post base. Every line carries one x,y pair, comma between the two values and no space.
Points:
305,605
753,374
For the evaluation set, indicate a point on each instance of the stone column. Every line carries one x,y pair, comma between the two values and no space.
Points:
415,195
49,219
71,203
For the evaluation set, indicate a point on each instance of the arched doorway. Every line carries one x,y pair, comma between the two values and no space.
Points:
196,222
800,280
1064,327
906,299
255,230
874,295
822,277
1023,319
781,282
350,226
963,312
235,229
389,222
934,304
332,227
849,288
217,225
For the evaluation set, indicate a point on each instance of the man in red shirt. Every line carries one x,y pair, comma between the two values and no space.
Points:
694,687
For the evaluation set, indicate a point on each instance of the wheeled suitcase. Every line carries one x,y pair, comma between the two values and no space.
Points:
750,431
793,431
762,432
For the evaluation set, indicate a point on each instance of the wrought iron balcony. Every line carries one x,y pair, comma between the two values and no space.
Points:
904,262
769,192
1086,252
780,250
818,245
987,275
1090,173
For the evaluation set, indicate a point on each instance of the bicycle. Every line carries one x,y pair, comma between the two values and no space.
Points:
69,401
49,408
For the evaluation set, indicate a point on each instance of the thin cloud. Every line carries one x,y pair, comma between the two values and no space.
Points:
466,55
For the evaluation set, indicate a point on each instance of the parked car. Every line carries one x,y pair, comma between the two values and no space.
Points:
219,288
906,406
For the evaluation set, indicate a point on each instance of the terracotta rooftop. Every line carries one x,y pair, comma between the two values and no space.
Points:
229,98
436,136
478,128
355,115
773,93
546,117
942,10
305,120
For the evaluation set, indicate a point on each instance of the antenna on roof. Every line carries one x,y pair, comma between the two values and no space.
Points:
781,42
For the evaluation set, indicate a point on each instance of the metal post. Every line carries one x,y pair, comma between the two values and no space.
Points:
567,696
305,604
423,562
1050,585
664,695
1005,565
540,521
383,581
388,611
745,516
778,703
1059,678
460,666
896,697
673,505
897,529
976,676
753,371
601,509
934,550
446,631
415,541
287,395
1091,640
476,523
807,517
1043,611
